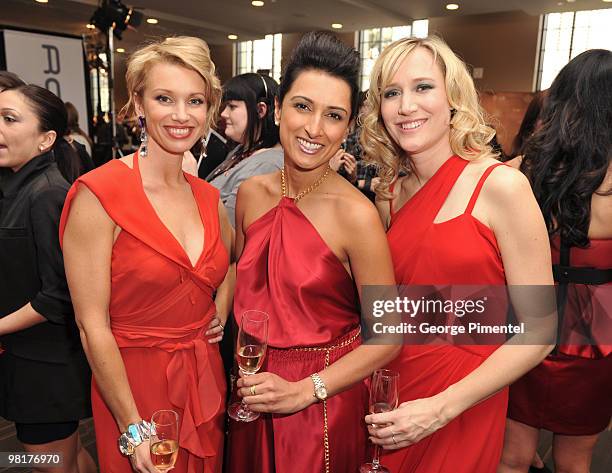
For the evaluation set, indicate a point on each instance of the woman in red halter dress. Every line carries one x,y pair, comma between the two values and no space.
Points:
457,218
570,169
307,242
145,248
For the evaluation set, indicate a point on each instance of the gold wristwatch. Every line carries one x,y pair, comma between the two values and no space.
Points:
320,391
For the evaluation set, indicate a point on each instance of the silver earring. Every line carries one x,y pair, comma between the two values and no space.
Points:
144,139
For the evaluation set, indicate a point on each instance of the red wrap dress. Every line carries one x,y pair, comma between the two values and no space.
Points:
460,251
288,271
159,309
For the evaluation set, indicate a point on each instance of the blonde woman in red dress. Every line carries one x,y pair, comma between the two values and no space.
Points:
458,217
145,247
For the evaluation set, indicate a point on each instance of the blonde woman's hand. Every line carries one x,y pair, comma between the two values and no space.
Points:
410,422
336,160
141,459
215,330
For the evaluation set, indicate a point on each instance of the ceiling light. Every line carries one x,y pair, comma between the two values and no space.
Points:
42,1
570,1
120,50
607,1
336,26
90,26
257,3
452,6
232,36
152,21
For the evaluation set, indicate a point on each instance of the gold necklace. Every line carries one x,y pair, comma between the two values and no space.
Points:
310,188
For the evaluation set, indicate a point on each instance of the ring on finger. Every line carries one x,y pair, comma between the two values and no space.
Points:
252,389
393,438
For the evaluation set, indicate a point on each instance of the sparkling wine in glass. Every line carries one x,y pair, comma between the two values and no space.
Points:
250,351
163,441
383,398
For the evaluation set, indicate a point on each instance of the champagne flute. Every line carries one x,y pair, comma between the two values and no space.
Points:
163,440
383,398
250,351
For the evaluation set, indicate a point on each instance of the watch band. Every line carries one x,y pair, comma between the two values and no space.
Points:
133,437
320,390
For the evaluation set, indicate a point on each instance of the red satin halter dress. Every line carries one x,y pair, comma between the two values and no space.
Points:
288,271
160,308
458,251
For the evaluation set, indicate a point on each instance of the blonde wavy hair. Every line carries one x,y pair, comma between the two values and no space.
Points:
186,51
469,133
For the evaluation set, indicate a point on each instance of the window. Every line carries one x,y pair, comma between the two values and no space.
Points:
373,41
566,35
260,55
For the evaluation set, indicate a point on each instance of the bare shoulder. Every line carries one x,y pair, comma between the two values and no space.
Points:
506,182
354,209
266,184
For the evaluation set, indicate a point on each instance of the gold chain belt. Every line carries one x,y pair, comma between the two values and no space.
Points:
327,351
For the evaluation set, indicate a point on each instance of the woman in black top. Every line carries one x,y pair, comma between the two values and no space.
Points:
44,376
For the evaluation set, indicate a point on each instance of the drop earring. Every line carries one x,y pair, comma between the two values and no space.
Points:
144,139
203,142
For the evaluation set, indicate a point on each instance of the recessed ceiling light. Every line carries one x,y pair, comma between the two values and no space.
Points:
42,1
152,21
570,1
452,6
336,26
120,50
257,3
90,26
607,1
232,36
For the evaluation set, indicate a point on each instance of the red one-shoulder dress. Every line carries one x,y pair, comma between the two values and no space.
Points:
460,251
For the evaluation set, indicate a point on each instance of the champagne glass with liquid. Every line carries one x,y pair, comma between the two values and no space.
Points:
250,351
383,398
163,440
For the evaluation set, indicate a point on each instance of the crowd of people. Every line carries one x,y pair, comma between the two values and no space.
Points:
122,284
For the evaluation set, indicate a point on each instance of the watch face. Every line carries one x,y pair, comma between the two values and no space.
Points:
321,393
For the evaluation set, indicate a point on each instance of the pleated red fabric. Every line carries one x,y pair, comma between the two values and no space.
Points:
289,272
159,310
460,251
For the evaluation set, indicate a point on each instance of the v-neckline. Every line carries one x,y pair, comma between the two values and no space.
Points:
193,266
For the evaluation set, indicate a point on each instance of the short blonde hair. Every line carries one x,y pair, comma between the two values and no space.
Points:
469,134
187,51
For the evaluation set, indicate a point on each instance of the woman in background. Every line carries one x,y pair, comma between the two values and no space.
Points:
248,111
568,164
44,376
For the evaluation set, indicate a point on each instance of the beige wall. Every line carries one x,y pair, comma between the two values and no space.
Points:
505,45
223,57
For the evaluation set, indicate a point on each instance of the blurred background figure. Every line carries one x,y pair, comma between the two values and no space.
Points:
567,161
44,376
248,111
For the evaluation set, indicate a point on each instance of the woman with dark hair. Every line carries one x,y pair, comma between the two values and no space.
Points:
248,112
302,264
74,129
44,376
568,164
